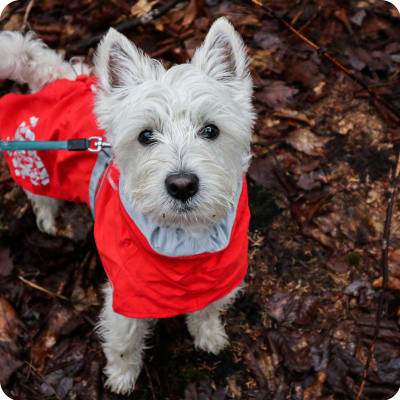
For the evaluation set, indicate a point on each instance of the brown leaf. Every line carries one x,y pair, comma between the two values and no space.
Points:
394,263
268,40
59,323
306,141
262,171
288,308
310,180
321,237
293,114
338,265
10,325
236,390
266,60
396,135
6,264
142,7
341,15
294,350
9,363
276,93
314,391
393,283
307,72
190,15
14,23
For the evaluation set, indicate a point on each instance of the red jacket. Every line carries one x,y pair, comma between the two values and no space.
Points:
148,280
62,110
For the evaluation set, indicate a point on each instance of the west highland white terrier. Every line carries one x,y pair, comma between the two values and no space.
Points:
169,200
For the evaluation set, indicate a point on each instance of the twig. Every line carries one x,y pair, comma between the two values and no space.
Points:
26,15
129,24
42,289
41,378
384,265
150,381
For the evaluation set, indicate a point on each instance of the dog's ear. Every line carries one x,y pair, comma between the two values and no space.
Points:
120,63
223,55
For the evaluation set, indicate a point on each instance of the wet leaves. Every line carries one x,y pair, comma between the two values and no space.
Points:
317,184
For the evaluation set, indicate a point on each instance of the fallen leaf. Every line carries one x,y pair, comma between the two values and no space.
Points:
268,40
358,17
310,180
290,309
393,283
6,264
9,363
142,7
235,389
306,141
276,93
10,325
293,114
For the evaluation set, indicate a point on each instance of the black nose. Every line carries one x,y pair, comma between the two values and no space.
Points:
182,186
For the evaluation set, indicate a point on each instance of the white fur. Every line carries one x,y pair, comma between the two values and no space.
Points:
26,59
124,338
123,345
45,209
137,93
205,325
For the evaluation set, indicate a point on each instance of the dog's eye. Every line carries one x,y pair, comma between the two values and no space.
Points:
209,132
146,138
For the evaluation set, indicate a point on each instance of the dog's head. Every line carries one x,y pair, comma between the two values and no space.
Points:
180,137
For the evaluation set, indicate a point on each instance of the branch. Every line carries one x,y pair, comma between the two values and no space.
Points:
42,289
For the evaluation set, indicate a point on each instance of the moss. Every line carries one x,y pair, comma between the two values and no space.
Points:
353,258
194,374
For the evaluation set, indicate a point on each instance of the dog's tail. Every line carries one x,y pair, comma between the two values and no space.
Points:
26,59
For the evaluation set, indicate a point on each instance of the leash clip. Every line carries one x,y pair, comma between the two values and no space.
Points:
96,144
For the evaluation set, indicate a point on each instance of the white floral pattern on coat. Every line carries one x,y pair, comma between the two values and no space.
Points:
27,164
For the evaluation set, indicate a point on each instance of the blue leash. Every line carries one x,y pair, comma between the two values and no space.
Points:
94,144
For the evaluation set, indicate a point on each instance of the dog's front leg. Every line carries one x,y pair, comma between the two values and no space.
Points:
45,209
206,327
123,345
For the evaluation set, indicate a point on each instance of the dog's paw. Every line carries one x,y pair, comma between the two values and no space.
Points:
211,337
121,380
46,224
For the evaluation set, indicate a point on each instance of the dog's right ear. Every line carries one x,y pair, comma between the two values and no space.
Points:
119,63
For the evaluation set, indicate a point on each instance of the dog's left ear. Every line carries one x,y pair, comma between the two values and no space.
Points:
223,56
119,63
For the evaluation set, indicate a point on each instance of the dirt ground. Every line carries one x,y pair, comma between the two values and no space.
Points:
323,154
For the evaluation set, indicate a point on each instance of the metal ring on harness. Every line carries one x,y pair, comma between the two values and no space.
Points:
96,143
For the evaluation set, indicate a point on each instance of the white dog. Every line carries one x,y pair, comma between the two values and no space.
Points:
170,206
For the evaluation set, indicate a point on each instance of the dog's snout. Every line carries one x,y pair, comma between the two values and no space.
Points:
182,186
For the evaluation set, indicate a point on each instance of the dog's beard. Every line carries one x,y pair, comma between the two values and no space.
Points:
206,208
189,213
185,208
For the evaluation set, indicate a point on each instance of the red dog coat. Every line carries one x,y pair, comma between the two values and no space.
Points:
155,271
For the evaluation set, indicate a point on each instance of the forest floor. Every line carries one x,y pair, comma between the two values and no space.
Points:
323,154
